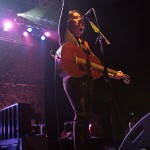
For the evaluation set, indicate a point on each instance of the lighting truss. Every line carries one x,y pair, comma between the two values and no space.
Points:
40,2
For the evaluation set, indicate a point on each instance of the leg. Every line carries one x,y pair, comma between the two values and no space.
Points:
81,131
79,97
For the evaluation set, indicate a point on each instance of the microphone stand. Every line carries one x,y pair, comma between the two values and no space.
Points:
100,38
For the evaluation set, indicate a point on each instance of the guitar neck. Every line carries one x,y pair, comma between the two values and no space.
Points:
95,66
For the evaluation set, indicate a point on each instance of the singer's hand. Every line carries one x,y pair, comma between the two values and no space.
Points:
119,75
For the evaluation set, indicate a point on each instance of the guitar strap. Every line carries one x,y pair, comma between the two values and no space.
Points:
85,49
83,46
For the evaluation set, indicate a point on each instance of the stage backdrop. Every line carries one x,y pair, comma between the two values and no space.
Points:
22,72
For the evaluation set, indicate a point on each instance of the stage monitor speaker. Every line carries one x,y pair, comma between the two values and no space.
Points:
139,136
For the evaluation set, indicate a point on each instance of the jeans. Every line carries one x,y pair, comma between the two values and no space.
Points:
79,93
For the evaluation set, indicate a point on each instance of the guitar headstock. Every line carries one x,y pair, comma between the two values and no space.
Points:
127,79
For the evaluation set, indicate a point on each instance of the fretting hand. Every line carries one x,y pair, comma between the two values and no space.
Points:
119,75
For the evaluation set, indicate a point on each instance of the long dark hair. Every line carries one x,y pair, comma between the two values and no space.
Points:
73,11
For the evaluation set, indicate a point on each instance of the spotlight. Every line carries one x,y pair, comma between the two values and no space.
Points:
20,14
47,34
25,33
42,37
5,28
29,29
7,25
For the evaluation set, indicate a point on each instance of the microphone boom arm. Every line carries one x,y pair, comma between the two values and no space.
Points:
97,30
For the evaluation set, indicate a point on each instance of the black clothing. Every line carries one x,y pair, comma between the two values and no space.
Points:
78,90
79,95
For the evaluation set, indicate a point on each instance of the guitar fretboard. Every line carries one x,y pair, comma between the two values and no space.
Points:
95,66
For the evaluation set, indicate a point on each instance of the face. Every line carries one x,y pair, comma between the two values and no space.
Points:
76,25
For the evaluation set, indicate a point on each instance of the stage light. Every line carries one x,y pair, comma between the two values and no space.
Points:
5,28
29,29
47,34
7,25
18,14
42,37
25,33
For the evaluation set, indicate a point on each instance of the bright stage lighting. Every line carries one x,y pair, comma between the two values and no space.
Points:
5,29
29,29
7,25
47,34
42,37
20,14
25,33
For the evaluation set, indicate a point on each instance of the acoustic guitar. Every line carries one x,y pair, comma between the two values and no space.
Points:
74,62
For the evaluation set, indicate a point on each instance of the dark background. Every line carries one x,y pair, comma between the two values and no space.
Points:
125,24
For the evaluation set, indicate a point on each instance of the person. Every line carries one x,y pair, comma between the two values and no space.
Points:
78,89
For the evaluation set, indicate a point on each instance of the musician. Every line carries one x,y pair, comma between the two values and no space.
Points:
77,89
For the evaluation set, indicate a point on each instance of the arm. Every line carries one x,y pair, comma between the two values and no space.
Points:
63,20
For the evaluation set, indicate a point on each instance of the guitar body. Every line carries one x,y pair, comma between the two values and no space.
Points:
69,53
73,60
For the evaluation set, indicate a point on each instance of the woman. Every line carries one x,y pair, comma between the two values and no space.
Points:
78,89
